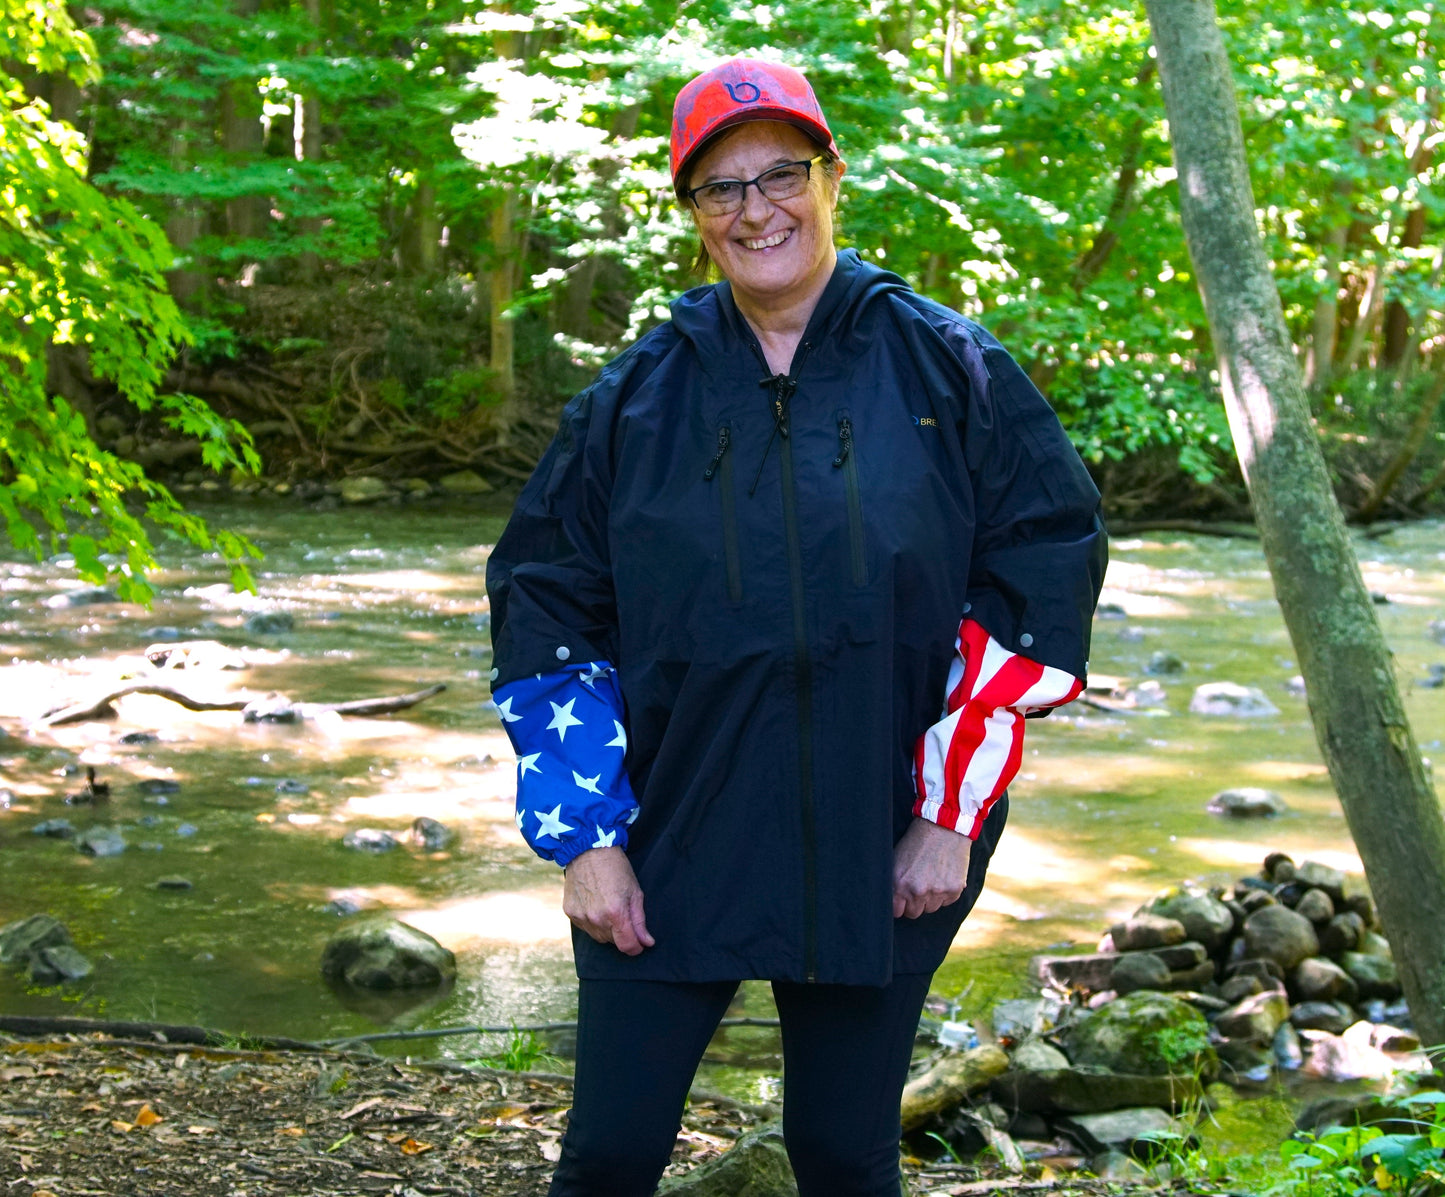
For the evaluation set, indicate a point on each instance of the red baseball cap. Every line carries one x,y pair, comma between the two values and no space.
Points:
739,90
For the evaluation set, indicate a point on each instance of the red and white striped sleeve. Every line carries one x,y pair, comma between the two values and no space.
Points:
964,762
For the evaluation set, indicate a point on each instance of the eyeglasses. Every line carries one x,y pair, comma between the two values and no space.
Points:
779,183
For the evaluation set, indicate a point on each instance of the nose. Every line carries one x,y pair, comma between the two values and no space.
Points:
756,206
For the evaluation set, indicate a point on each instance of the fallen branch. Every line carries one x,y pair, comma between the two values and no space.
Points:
536,1028
158,1032
275,708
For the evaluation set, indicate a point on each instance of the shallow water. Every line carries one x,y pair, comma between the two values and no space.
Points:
1107,810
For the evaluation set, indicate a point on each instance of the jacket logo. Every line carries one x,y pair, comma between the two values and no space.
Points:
925,421
739,92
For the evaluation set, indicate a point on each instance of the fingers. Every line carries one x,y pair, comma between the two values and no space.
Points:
910,902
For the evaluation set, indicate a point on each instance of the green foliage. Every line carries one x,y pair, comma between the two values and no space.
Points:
523,1052
1364,1161
78,268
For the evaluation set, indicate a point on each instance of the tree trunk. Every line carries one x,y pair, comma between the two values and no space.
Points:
241,134
186,223
501,292
1359,720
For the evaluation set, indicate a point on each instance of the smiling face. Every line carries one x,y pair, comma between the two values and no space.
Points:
775,253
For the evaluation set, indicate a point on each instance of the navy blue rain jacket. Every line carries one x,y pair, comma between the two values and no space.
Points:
777,567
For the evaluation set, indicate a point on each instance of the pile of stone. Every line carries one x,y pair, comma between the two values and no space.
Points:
1280,964
1282,971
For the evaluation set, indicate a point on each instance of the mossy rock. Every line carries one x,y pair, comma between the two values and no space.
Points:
755,1166
1145,1033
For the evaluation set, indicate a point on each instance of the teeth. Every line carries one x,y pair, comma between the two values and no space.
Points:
766,242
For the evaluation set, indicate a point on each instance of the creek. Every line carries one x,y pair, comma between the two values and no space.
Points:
1108,807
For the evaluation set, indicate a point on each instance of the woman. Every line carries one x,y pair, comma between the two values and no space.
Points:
767,619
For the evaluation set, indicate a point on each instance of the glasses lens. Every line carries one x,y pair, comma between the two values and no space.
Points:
784,182
718,198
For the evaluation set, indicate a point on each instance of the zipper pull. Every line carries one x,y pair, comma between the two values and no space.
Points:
724,439
845,441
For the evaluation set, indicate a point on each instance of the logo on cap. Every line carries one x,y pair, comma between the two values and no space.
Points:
737,92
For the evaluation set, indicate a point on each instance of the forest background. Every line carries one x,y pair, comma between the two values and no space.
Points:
399,233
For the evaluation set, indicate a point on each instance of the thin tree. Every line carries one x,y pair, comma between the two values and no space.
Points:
1349,674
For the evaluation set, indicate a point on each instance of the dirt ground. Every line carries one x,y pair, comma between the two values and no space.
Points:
89,1115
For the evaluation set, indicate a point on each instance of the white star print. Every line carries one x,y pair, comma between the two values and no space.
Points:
605,839
594,671
632,815
527,764
562,718
504,709
619,740
587,783
520,813
551,824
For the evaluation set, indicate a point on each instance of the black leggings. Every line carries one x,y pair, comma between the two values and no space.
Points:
846,1050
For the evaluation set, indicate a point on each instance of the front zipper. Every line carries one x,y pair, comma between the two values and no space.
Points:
847,461
783,386
722,466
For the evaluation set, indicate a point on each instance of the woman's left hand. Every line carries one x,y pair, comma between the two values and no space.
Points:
930,869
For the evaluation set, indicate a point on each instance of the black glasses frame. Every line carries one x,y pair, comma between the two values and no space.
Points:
806,163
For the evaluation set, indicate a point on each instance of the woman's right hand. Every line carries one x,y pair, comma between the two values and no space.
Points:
601,896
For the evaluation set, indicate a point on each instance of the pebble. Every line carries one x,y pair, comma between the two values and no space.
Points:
101,841
290,785
369,839
139,737
270,623
55,829
1247,802
158,785
187,829
172,882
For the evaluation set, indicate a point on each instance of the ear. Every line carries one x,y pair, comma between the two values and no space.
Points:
839,167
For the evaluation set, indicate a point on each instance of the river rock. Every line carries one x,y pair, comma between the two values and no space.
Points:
1127,1130
1206,920
60,829
292,785
157,785
1321,980
1229,698
1266,970
1090,972
1164,664
1145,1033
196,654
1436,630
171,882
1279,868
1089,1089
20,940
369,839
1036,1055
58,963
271,708
1364,906
1320,876
1239,987
1288,1054
1140,970
953,1077
1256,1018
1375,976
429,834
1197,977
363,488
464,482
1316,906
1346,1058
269,623
1280,934
378,952
1015,1019
1246,1058
1333,1017
101,841
1142,931
1247,802
1181,956
755,1166
1373,944
87,596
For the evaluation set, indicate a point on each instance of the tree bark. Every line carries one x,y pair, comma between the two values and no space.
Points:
1359,720
241,134
1319,364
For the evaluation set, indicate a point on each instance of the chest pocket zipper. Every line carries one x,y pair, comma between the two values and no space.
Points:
721,467
847,461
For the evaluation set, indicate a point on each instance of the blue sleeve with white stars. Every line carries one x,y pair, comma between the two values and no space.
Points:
572,790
